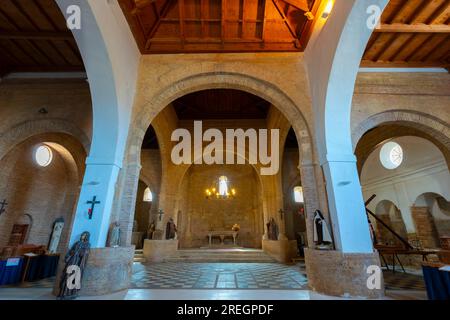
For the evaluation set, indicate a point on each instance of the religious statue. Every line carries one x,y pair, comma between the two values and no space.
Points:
322,235
75,260
236,227
56,235
272,229
171,230
151,230
114,236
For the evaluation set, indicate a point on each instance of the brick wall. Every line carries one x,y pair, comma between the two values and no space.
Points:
44,193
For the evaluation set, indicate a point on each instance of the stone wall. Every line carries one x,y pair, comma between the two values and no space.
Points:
201,215
43,193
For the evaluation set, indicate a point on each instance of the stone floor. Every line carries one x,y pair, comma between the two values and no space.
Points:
176,275
222,281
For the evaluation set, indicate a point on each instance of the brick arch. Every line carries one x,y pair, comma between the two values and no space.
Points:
151,106
28,129
406,123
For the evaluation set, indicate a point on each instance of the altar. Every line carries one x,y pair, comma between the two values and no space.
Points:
222,235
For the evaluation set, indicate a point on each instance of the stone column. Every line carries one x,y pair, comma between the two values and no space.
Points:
425,228
347,209
99,181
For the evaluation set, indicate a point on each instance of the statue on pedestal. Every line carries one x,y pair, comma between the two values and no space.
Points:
114,236
272,229
171,230
76,261
151,230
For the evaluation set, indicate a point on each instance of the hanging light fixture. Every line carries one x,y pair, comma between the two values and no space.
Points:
326,12
221,190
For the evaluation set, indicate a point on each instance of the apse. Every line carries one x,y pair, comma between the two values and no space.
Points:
40,180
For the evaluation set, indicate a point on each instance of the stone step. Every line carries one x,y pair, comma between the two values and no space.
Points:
217,255
141,260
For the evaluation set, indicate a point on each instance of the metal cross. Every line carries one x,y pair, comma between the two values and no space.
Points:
3,204
161,213
92,203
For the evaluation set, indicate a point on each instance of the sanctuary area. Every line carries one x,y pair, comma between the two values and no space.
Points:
297,149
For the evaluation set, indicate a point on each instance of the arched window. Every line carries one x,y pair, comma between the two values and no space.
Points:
43,156
298,195
223,186
148,197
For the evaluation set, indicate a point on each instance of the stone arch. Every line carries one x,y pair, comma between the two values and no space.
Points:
152,106
28,129
409,123
433,126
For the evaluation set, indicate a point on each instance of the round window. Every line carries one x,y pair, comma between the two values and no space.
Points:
391,155
43,156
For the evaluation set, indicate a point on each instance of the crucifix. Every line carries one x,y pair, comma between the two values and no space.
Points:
3,204
161,213
93,202
281,213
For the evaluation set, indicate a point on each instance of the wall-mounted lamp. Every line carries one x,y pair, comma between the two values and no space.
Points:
326,12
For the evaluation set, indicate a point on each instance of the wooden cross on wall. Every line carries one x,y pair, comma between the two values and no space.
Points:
93,202
3,205
161,213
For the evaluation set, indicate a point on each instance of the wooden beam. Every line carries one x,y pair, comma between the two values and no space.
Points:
36,35
299,4
413,28
181,16
402,64
286,21
155,27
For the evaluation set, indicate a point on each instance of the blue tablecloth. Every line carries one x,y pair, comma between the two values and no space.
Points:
10,274
41,267
437,283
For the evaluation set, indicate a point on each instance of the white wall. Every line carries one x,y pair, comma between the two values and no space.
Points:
423,170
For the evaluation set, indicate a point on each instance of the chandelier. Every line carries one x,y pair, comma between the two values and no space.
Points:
221,190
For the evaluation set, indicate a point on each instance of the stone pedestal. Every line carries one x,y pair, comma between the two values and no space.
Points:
341,274
108,271
136,239
281,250
157,250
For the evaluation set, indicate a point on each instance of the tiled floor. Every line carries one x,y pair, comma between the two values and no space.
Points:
182,275
231,281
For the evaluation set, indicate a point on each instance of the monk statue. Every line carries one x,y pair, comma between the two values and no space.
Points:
272,229
114,236
151,230
75,260
171,230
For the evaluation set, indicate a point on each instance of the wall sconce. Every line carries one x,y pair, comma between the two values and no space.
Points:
326,12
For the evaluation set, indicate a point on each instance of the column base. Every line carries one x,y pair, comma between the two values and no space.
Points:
158,250
281,250
341,274
108,271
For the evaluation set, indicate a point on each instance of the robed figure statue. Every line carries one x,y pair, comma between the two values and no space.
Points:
322,235
114,236
272,229
76,260
171,230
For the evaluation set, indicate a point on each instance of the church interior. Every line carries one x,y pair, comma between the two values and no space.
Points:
251,149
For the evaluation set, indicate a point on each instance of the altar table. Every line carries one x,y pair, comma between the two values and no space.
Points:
222,235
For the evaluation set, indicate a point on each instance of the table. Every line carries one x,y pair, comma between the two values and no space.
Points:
222,235
40,267
395,251
10,274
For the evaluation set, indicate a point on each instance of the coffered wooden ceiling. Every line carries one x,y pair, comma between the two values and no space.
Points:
413,33
34,38
175,26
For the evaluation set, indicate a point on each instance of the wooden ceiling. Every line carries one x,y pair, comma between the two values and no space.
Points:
413,33
34,38
195,26
221,104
